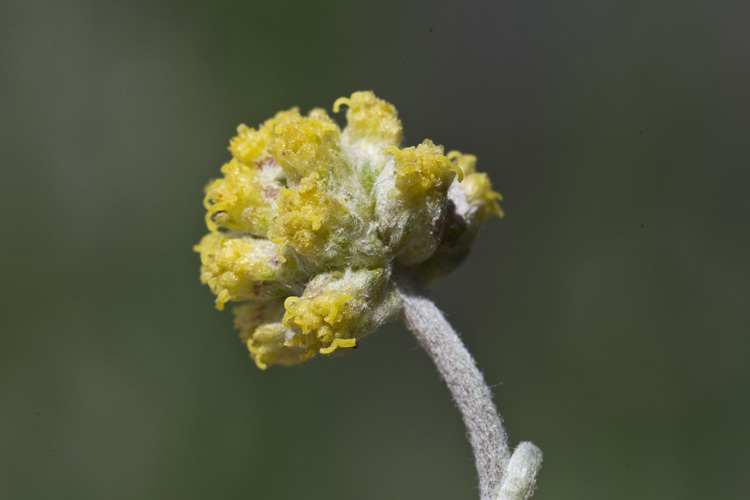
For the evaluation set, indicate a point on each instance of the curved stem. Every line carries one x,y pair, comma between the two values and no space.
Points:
501,476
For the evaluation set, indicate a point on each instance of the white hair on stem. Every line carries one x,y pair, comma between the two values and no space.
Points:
502,475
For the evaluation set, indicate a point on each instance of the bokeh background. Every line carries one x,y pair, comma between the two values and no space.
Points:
608,310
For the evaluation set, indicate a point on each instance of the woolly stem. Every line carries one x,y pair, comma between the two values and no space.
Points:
502,475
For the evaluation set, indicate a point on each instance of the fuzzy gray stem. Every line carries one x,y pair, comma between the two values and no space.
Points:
487,436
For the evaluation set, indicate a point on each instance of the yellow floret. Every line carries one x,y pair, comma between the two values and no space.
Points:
324,320
251,146
242,200
423,168
316,313
242,268
465,162
267,347
478,189
260,327
307,217
370,118
307,144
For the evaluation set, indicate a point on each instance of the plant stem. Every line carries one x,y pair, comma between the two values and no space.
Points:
501,475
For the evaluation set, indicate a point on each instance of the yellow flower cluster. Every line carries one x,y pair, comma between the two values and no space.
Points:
241,267
309,222
306,145
250,146
307,217
338,308
370,118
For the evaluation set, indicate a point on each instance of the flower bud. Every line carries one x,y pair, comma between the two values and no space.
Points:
245,199
411,200
338,308
244,268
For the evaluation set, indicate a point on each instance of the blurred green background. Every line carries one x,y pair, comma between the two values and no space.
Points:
608,310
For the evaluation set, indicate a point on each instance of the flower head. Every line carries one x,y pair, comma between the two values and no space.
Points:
310,223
